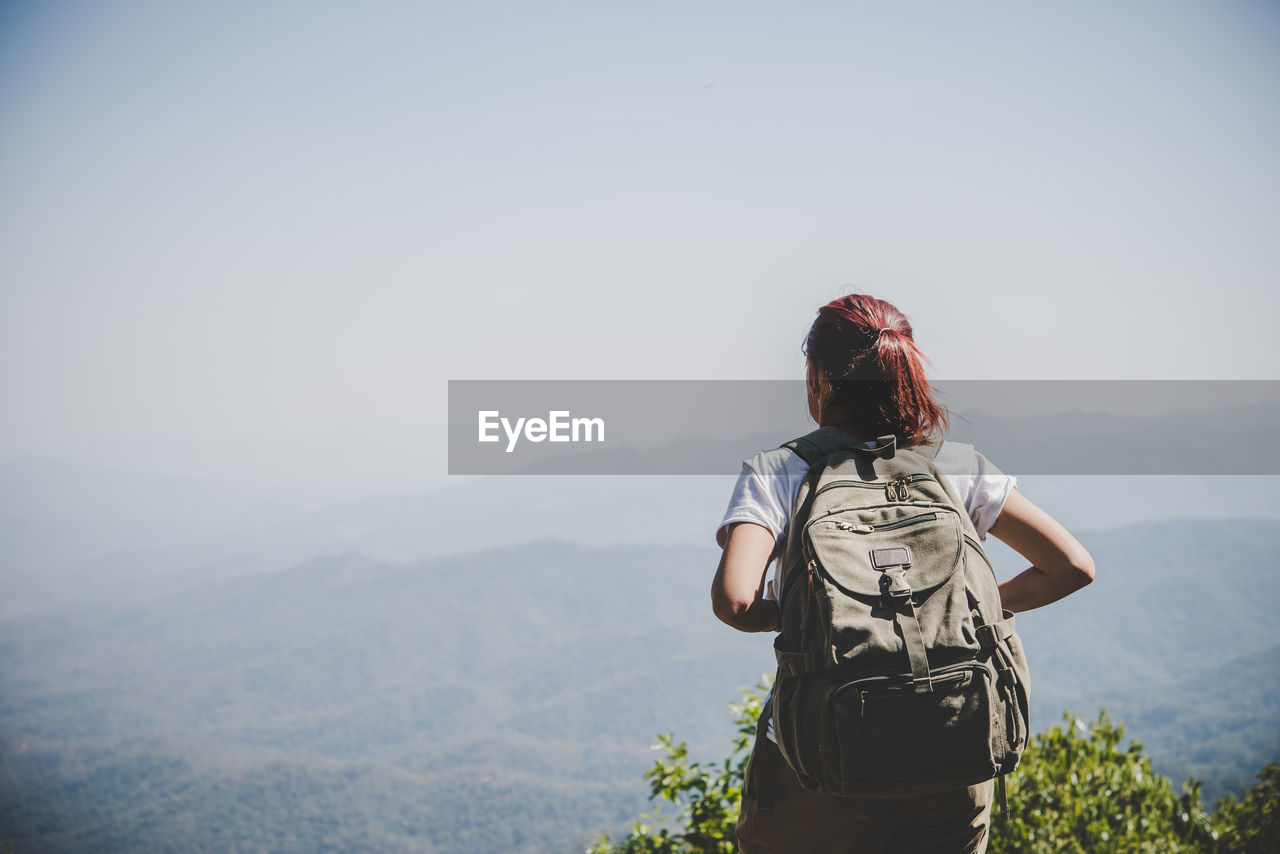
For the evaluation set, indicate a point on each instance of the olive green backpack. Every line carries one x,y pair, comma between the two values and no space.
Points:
898,672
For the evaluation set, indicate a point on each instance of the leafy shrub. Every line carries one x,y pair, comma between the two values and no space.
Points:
1076,791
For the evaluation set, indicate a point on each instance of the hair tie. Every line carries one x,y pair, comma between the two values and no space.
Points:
885,329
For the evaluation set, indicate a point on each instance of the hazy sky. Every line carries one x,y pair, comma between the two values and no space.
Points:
256,239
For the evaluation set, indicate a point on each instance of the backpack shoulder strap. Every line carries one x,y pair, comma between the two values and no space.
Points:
929,448
825,441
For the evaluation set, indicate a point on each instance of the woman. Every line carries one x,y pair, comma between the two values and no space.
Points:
866,376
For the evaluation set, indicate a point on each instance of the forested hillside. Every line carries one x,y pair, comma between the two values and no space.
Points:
504,700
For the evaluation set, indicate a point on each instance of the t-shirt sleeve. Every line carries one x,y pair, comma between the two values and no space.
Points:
754,500
977,482
989,488
764,492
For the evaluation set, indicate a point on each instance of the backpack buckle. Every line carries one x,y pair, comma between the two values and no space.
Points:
894,562
894,581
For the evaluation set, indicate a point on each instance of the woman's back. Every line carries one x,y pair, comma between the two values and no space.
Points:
866,380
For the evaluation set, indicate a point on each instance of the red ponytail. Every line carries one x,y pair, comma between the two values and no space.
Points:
865,349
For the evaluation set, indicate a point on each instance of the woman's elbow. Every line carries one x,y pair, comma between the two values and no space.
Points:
728,610
1082,570
735,611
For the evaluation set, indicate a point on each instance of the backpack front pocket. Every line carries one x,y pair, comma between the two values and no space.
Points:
880,737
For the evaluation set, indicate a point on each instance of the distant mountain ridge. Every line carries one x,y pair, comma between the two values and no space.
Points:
59,556
434,703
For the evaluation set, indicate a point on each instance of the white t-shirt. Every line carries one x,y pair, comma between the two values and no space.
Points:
766,490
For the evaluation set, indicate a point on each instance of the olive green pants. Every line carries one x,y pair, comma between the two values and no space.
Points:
952,822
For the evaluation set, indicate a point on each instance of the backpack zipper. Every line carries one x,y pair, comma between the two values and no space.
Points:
881,684
899,483
931,505
811,576
886,526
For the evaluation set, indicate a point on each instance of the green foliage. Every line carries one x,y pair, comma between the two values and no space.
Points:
1251,825
1076,791
707,794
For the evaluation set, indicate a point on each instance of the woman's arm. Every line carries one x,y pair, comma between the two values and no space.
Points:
1060,565
737,593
